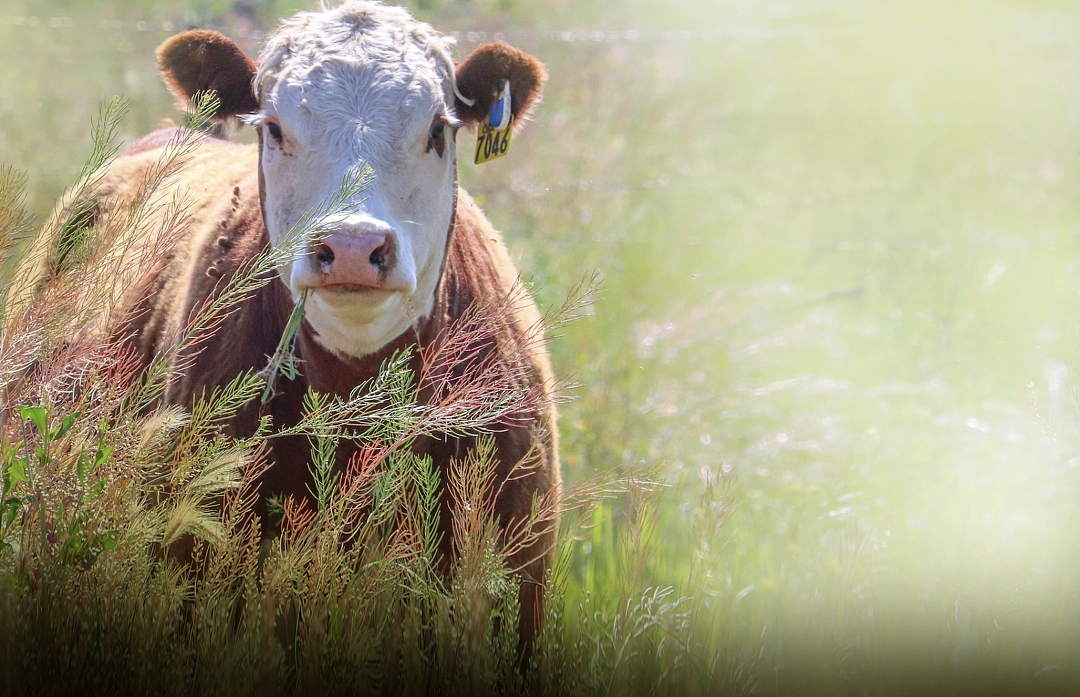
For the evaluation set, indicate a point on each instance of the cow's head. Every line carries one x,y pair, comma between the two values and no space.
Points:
362,84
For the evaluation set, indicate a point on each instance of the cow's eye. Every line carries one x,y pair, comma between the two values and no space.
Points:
274,129
437,137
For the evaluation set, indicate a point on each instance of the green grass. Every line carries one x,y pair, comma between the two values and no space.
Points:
839,246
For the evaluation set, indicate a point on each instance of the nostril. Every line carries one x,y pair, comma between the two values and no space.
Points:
380,258
345,257
324,255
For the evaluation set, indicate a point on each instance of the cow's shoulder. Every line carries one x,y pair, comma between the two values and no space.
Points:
205,221
226,240
479,268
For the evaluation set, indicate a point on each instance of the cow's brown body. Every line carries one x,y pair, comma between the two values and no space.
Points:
358,84
225,230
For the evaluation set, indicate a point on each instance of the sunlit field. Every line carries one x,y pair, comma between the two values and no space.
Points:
839,242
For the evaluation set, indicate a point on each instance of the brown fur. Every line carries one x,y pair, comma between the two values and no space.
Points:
481,75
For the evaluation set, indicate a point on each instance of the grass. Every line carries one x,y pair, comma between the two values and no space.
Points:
838,244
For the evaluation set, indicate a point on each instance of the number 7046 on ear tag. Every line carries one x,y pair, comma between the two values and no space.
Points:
493,140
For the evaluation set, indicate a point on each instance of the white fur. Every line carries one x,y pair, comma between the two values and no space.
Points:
352,86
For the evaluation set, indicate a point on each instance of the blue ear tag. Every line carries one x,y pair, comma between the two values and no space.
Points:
494,138
499,116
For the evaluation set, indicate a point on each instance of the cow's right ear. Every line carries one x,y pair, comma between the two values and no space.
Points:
200,60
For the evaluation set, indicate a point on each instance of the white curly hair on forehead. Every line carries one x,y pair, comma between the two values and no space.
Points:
308,37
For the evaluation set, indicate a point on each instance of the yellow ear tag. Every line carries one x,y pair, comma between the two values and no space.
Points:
492,143
493,140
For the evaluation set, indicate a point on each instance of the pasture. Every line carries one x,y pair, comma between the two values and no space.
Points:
835,348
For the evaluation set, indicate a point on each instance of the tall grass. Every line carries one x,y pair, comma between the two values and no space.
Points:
100,482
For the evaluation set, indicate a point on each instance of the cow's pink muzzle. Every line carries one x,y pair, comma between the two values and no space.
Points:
350,262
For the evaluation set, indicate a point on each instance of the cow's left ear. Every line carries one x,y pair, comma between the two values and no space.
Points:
481,76
200,60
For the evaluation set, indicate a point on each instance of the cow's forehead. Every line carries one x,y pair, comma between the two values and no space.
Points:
357,55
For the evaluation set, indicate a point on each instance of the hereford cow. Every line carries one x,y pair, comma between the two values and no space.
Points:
360,85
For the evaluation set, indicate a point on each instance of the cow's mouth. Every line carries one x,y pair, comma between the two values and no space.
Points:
350,298
341,288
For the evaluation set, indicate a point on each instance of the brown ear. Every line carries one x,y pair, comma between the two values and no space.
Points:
200,60
480,77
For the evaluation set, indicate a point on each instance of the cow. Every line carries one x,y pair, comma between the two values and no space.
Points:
360,85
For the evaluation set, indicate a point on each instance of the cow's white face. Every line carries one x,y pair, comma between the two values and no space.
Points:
364,85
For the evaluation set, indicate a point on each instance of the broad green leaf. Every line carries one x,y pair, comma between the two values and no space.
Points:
103,454
66,425
37,416
11,506
80,466
17,471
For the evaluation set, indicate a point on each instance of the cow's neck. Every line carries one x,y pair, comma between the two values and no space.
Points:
330,372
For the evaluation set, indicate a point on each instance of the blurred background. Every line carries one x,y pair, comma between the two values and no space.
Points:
840,245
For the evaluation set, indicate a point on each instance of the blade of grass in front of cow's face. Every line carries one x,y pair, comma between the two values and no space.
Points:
383,408
284,358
